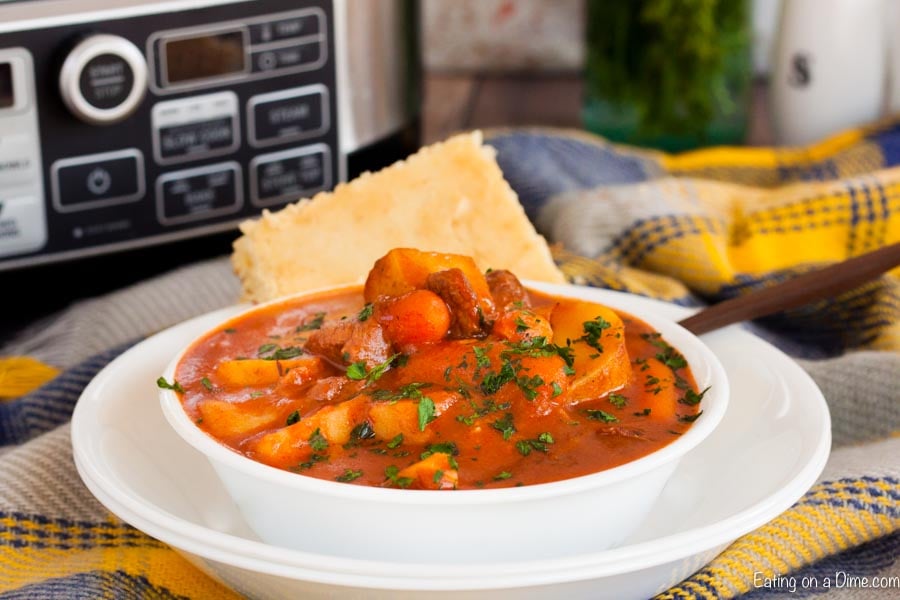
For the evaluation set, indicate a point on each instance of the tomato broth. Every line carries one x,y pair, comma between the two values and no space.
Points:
526,400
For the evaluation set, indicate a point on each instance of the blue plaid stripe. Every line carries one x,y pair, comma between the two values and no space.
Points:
51,405
92,585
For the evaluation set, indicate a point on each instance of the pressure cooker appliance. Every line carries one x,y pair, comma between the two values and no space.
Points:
126,123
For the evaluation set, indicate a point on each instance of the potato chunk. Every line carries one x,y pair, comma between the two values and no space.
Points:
260,372
401,417
229,419
433,473
597,336
289,445
658,379
403,269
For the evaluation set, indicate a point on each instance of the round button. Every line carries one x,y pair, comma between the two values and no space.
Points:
103,79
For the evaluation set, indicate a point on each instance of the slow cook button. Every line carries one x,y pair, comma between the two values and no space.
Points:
198,194
197,139
97,180
288,115
298,55
272,31
289,175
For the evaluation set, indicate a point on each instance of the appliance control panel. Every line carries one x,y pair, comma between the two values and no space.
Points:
131,129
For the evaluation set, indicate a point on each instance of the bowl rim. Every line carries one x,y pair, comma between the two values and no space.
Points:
714,405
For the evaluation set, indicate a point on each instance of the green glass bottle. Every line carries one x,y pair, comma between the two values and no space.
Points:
670,74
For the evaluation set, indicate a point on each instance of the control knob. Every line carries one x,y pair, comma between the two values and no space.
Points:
103,79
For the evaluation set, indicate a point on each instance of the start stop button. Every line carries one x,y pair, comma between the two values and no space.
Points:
103,79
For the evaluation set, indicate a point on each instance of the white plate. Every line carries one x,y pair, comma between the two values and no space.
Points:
768,450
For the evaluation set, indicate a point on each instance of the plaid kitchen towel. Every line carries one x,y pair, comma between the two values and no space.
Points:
690,228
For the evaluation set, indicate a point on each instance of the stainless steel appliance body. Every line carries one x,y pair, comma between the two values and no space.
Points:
126,124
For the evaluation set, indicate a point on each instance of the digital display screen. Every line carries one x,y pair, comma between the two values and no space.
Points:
7,93
204,56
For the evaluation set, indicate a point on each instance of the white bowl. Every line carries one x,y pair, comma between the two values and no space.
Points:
549,520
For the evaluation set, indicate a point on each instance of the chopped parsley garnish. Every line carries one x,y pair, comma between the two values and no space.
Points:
642,362
487,408
379,370
529,385
207,383
672,359
410,390
593,330
668,355
557,389
390,473
600,415
348,475
292,418
286,353
540,444
448,448
692,398
502,475
481,358
438,474
651,381
165,385
538,346
318,441
395,441
312,324
362,431
366,312
689,418
313,459
272,351
521,325
617,400
266,349
493,380
505,425
425,412
357,370
643,413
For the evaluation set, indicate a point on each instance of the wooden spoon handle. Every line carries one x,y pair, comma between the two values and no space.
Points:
806,288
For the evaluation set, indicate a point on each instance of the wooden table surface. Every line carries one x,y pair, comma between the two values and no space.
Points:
457,102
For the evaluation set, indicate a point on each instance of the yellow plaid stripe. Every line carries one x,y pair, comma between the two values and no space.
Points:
831,517
34,550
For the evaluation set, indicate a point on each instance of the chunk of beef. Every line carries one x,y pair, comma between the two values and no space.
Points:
329,340
507,290
367,343
471,315
349,341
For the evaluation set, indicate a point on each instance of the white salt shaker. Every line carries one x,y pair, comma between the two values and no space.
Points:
830,66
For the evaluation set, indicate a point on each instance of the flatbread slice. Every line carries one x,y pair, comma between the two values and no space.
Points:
448,197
